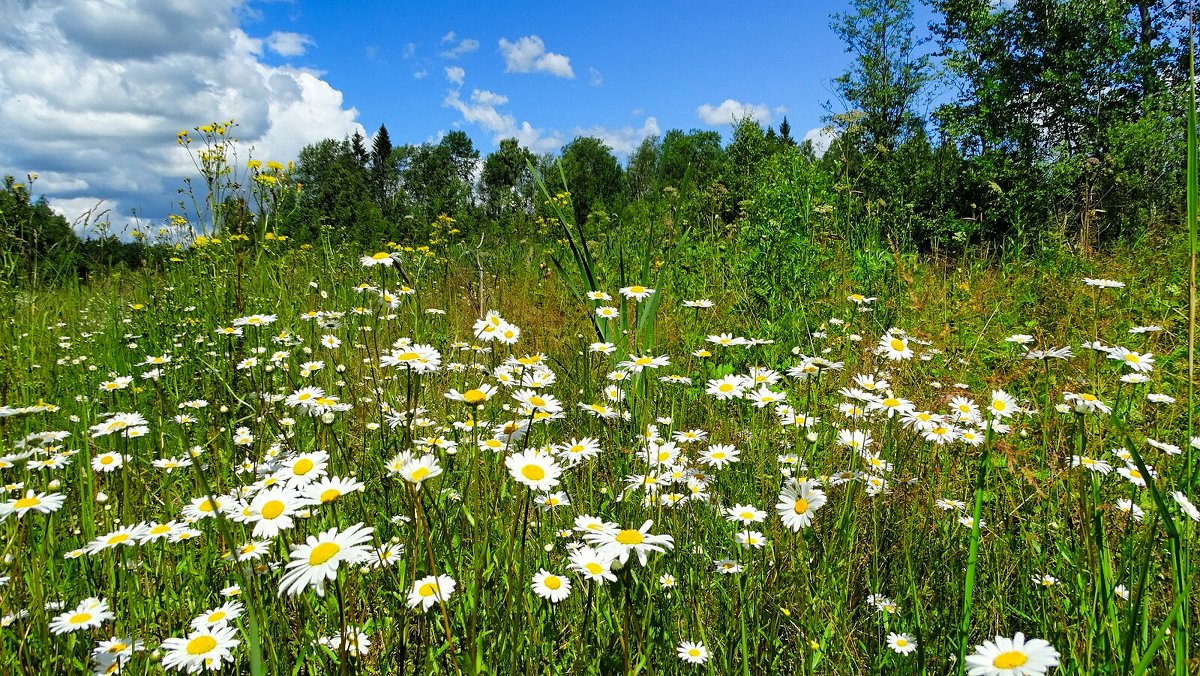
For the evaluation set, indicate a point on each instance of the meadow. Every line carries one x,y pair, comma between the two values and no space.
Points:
463,458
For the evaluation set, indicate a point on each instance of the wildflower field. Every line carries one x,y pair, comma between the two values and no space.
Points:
270,459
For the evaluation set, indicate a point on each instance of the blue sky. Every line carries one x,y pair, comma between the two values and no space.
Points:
92,92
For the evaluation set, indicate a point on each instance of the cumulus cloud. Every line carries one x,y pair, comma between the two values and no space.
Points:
625,140
96,112
464,46
284,43
484,109
730,111
529,55
821,137
455,74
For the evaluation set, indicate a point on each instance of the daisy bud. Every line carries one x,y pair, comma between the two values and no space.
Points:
102,497
54,485
328,418
812,437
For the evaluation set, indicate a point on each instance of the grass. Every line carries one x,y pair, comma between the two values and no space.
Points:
877,558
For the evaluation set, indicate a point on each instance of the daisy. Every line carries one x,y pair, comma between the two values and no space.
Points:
381,258
635,292
472,397
304,468
746,514
328,489
550,586
692,653
42,503
317,560
719,455
894,348
1002,405
219,616
89,614
578,450
127,536
1012,657
620,544
203,649
534,468
591,565
902,644
417,470
798,502
728,387
107,462
1186,505
1134,511
429,590
1139,363
1102,284
271,511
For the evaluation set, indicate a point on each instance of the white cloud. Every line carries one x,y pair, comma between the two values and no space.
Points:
821,137
455,74
595,77
731,111
625,140
96,111
529,55
284,43
464,46
484,110
409,50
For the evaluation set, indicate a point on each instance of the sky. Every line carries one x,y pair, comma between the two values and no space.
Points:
93,92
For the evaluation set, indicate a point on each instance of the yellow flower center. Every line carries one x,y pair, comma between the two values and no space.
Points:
382,255
1132,358
80,618
1010,660
118,538
420,473
637,289
537,401
201,645
302,467
216,617
533,472
273,509
694,652
322,553
891,402
474,397
801,506
999,405
593,568
329,495
427,589
898,345
1135,474
160,529
725,387
26,503
117,647
630,537
1088,397
107,460
407,356
901,642
552,582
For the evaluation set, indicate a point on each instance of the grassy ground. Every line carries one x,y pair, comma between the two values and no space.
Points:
939,542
